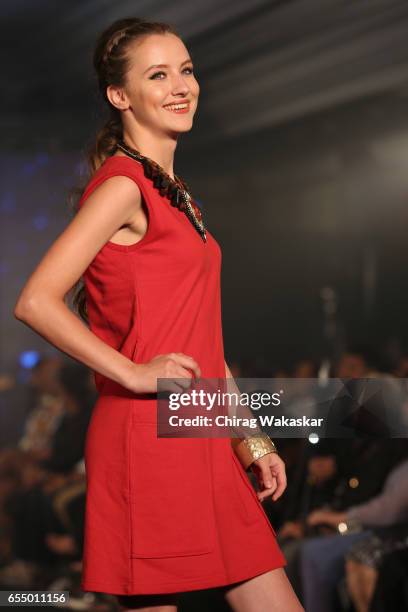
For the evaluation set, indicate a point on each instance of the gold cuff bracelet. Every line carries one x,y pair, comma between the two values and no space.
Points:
252,448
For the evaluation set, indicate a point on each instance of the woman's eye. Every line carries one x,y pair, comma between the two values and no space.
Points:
155,74
161,72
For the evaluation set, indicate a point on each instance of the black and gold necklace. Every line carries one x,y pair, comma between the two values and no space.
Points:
176,190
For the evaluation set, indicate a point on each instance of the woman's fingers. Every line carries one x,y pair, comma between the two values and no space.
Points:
267,481
170,385
266,475
271,477
183,378
281,481
266,492
188,362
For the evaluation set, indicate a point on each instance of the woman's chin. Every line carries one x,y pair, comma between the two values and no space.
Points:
180,129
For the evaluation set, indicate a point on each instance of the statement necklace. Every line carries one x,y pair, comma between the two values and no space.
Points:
176,190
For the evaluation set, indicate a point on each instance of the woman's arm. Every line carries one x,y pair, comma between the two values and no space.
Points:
261,454
41,303
241,411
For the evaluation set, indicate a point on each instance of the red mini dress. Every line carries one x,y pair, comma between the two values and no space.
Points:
163,515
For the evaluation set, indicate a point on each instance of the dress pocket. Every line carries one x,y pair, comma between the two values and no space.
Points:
170,494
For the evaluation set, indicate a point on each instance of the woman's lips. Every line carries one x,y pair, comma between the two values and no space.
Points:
184,108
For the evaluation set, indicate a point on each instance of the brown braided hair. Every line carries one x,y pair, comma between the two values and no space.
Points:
111,63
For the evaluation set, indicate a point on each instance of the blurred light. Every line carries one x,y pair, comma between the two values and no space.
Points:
323,373
28,359
354,482
327,293
313,438
391,151
342,527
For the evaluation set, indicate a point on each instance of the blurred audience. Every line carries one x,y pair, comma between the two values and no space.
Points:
322,558
42,480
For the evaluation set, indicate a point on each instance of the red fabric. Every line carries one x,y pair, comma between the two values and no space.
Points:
162,515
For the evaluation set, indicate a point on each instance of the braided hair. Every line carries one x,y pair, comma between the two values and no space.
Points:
111,62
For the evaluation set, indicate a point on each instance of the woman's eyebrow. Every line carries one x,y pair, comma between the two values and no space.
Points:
187,61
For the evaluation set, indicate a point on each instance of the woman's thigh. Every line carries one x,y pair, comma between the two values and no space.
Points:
270,591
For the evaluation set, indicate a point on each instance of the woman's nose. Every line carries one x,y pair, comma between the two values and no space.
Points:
179,85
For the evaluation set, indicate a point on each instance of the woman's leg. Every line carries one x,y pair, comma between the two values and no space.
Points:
149,603
270,591
361,580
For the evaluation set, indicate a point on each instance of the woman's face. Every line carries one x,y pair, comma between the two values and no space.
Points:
151,89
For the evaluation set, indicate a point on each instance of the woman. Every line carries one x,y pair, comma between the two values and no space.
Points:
163,515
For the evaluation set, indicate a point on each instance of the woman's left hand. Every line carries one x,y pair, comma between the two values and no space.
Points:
271,476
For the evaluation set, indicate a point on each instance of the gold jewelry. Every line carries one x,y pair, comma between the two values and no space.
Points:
252,448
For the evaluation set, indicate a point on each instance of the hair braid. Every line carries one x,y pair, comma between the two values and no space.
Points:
111,63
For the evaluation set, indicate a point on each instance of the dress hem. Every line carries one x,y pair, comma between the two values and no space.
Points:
170,587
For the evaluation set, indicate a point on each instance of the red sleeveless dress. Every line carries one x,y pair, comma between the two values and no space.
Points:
163,515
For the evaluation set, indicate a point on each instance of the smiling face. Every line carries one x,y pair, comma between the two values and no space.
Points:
160,76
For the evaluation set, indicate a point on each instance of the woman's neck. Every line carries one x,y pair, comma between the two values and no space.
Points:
162,152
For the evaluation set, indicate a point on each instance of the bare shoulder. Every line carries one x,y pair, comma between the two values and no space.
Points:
120,193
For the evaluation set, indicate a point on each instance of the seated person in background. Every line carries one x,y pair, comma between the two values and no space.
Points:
33,507
322,558
377,570
359,477
354,472
44,418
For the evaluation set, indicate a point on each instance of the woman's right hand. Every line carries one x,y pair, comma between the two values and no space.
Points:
172,365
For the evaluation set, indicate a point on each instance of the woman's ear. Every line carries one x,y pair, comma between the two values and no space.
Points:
117,97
